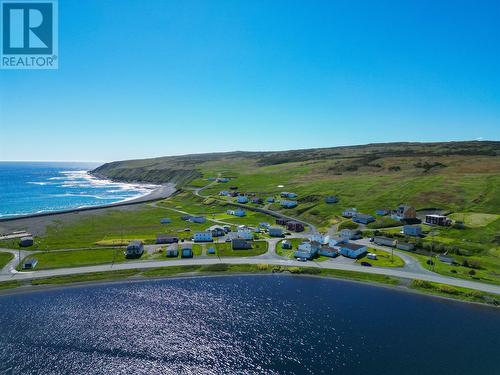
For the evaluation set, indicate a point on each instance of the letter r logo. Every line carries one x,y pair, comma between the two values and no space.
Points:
27,28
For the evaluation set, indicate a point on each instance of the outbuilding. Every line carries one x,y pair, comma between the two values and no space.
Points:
286,244
363,218
135,249
187,252
412,230
26,241
282,221
331,199
172,251
30,263
276,232
165,220
288,204
165,239
295,226
242,199
380,240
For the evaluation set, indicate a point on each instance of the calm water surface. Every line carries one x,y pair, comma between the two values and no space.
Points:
244,325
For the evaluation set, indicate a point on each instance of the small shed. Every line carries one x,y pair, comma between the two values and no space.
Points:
331,199
186,217
363,218
135,249
187,252
30,263
372,256
286,244
270,200
282,221
172,252
165,220
26,241
211,250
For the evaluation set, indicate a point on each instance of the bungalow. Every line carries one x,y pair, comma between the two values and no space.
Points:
352,250
286,244
328,251
407,246
242,199
172,251
187,252
437,220
372,256
331,199
363,218
203,237
222,179
307,250
295,226
382,212
245,234
135,249
412,230
257,200
385,241
198,219
165,220
26,241
224,192
240,244
288,204
321,238
165,238
211,250
30,263
238,212
286,194
282,221
349,212
211,179
350,234
275,232
270,200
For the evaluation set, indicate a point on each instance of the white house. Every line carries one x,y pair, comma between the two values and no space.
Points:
323,239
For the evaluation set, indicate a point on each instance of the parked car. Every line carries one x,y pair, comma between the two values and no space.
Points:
302,259
366,264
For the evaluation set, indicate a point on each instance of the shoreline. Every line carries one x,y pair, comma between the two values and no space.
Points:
26,289
161,192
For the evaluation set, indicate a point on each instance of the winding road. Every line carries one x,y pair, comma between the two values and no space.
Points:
411,270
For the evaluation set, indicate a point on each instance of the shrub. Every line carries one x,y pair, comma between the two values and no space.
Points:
218,267
472,272
311,270
421,284
448,289
314,212
348,224
294,270
263,267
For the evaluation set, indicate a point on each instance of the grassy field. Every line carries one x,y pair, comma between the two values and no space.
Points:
5,258
384,259
223,249
77,258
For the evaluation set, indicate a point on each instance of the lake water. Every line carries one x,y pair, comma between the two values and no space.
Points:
244,325
30,187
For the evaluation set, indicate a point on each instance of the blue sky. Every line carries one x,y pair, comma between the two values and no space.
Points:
151,78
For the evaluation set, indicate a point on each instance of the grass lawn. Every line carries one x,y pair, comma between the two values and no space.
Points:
223,249
474,219
488,273
384,259
5,258
288,252
77,258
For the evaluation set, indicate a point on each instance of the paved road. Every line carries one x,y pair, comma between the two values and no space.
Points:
265,258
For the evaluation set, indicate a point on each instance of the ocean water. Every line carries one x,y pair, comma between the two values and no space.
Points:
273,324
27,187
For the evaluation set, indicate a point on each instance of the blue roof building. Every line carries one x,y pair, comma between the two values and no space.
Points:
328,251
331,199
270,200
198,219
203,237
275,232
242,199
165,220
186,252
288,204
307,250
